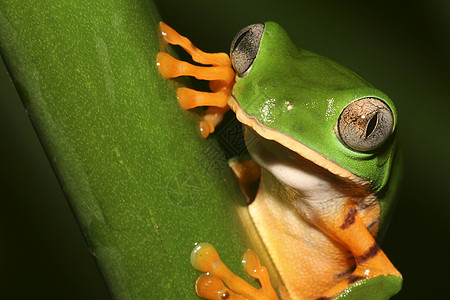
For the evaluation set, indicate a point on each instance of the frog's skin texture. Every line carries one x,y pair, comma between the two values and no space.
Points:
324,196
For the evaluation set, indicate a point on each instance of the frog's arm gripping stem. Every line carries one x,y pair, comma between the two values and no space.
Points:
219,73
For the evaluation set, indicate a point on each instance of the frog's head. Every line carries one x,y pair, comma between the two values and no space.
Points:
313,106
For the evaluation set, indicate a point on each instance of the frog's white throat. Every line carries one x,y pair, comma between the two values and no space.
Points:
293,170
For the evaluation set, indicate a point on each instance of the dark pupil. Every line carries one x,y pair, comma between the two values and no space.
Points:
371,126
239,39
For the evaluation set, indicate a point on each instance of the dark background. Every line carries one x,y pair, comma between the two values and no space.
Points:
401,47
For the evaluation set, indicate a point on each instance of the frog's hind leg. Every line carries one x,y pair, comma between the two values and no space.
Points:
371,261
211,285
219,73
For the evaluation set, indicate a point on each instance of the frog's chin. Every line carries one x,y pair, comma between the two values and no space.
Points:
292,144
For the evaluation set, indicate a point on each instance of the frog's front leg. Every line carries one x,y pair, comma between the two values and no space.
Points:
211,284
350,230
219,72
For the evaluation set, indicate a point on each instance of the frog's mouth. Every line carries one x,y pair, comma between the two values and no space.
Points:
292,144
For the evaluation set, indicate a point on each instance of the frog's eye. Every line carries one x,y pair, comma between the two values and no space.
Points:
244,48
365,124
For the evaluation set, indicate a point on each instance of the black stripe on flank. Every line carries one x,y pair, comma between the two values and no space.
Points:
371,225
349,218
353,278
345,273
372,252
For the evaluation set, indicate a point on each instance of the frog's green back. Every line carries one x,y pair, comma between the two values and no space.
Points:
301,95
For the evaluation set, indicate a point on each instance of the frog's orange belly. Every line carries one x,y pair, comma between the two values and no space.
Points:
308,261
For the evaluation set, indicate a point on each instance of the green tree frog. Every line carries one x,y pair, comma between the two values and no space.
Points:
324,143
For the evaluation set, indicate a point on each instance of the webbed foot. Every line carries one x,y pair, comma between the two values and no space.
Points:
220,74
218,282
